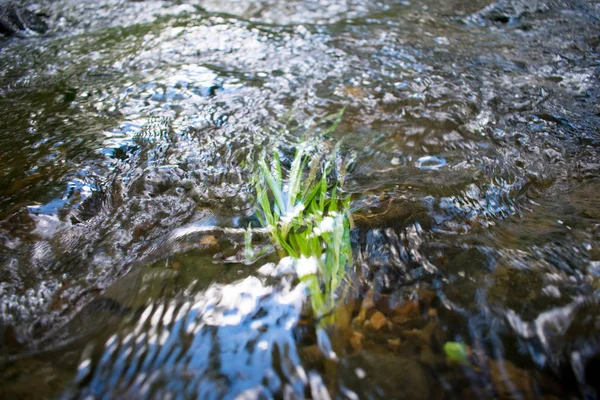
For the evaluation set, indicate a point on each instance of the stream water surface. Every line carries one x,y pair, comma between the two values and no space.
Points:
129,132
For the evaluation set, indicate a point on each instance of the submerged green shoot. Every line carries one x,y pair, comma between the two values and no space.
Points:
456,352
307,219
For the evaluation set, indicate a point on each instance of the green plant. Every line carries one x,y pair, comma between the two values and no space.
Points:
456,352
307,219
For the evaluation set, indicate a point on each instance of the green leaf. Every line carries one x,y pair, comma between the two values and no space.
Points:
273,184
295,177
277,168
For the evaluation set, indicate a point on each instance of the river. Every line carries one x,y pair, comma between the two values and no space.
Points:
129,133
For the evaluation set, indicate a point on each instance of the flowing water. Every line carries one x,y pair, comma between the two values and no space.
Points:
129,131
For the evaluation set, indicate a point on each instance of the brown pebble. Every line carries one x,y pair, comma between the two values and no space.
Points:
368,302
356,341
394,344
356,92
138,231
208,240
406,312
378,321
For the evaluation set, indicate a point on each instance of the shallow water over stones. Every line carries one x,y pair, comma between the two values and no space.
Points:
130,130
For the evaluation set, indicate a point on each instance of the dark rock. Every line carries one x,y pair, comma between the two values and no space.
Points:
507,11
16,19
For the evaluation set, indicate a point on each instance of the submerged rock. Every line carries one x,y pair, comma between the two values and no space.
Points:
377,321
507,11
16,19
